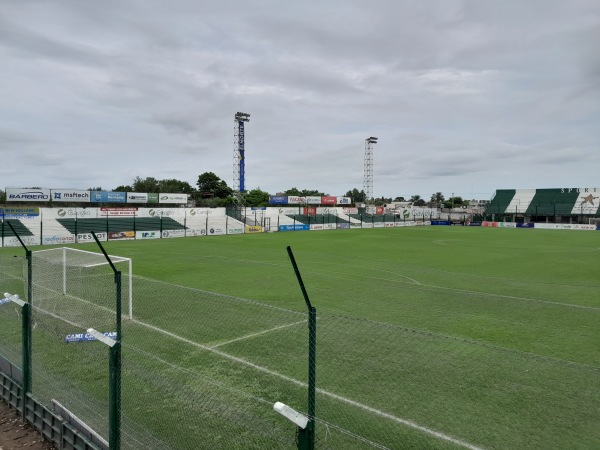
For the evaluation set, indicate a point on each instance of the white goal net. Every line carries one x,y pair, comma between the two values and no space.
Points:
79,286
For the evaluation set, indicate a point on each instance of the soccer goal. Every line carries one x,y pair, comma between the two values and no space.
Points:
74,283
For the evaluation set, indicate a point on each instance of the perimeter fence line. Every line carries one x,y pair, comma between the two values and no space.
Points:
203,370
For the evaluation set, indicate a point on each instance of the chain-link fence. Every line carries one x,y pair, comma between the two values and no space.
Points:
203,370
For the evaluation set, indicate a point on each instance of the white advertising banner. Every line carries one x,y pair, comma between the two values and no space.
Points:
173,233
195,232
215,231
58,239
288,211
137,197
343,200
147,234
296,200
235,229
27,195
173,198
313,200
378,225
350,210
70,195
82,238
12,241
316,226
70,213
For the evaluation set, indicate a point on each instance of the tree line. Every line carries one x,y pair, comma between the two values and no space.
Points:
212,191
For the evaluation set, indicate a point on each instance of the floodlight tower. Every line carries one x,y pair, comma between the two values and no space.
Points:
239,158
368,177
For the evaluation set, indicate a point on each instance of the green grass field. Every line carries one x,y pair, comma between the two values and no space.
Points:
428,337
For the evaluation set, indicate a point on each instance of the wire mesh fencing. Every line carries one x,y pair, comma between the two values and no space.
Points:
203,370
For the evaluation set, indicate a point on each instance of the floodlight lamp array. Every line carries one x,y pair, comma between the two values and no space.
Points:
242,117
372,140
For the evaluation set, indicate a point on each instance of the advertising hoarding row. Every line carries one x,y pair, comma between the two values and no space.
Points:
83,196
294,200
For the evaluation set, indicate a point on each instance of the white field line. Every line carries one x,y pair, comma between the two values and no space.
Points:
340,398
249,336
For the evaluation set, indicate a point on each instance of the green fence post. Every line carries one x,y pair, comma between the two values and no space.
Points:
306,436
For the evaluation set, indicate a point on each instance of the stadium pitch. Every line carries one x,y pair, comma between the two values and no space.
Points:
443,337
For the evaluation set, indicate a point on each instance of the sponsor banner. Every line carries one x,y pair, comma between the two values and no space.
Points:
258,208
147,234
173,233
317,226
313,200
350,210
205,212
173,198
12,241
254,229
522,225
378,225
329,226
508,225
70,195
292,200
27,195
310,211
70,213
343,226
235,230
85,337
278,199
56,239
87,237
137,197
367,225
476,224
152,197
440,222
15,213
195,232
298,227
118,212
108,197
328,200
215,231
121,235
343,200
580,227
380,210
388,224
355,225
289,211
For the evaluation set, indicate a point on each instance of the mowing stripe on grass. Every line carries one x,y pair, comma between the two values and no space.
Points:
340,398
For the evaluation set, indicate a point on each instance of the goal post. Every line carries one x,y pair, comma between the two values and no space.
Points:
82,275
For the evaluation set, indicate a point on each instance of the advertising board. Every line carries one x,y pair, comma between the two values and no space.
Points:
328,200
298,227
343,200
292,200
173,198
27,195
147,234
254,229
15,213
278,199
82,238
313,200
108,197
137,197
173,233
121,235
70,195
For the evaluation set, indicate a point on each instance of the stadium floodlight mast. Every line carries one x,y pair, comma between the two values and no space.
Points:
368,172
239,158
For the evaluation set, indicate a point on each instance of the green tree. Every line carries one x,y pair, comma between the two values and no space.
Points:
210,185
256,197
399,199
2,196
357,196
436,199
174,186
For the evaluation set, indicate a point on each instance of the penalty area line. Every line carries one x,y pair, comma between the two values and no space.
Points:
399,420
249,336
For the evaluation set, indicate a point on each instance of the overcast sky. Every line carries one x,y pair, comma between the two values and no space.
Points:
466,97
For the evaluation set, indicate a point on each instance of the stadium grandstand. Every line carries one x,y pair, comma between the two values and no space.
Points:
560,205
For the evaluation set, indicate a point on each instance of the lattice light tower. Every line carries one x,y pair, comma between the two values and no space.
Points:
239,159
368,178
